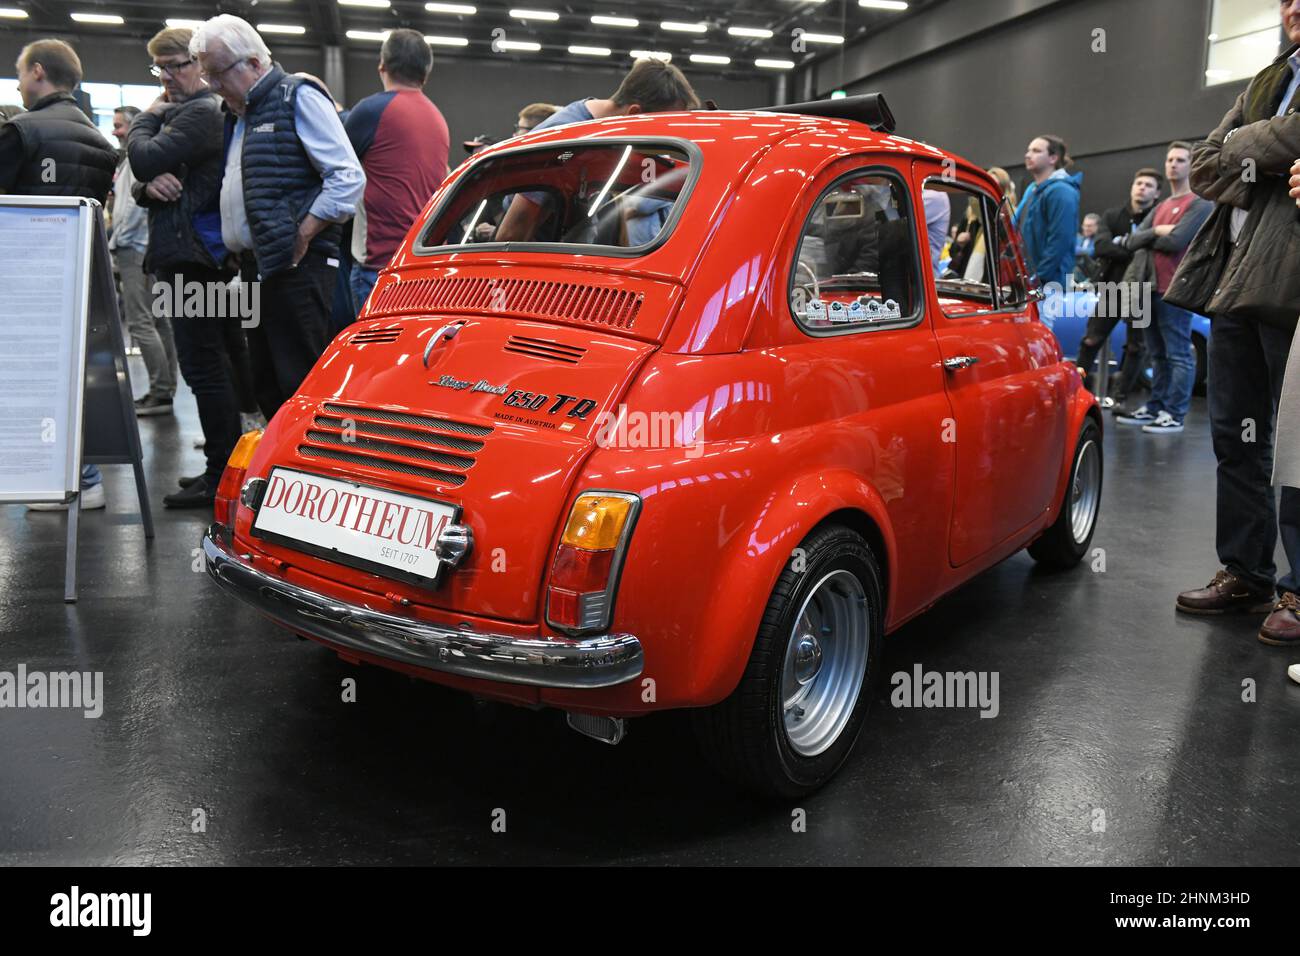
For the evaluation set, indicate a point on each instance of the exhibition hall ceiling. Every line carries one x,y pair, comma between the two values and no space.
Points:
759,37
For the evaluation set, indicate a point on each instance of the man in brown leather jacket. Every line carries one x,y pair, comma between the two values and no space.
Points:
1243,270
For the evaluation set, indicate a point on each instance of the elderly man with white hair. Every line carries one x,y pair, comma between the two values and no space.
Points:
291,177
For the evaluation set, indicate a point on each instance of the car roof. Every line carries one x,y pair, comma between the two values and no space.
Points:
733,136
776,153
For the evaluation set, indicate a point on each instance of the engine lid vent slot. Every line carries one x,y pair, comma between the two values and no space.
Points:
545,349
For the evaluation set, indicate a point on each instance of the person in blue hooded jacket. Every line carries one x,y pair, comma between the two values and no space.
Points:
1048,215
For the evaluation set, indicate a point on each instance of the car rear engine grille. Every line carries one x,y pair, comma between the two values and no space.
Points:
545,349
376,336
409,443
529,298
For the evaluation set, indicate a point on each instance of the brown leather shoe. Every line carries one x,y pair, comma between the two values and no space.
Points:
1226,594
1283,626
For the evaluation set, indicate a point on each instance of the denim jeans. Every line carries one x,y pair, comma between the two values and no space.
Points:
363,280
1247,363
1169,345
90,476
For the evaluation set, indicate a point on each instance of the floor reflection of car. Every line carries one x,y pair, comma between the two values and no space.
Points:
669,411
1067,316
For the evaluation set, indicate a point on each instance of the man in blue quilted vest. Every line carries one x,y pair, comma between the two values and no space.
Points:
291,177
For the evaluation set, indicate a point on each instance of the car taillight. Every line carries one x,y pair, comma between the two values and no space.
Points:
584,575
232,479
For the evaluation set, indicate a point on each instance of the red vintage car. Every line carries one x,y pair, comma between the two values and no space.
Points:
672,411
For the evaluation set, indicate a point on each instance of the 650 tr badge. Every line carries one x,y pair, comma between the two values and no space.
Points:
533,401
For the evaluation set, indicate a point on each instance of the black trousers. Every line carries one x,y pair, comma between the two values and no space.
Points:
292,329
1247,362
237,346
205,359
1134,364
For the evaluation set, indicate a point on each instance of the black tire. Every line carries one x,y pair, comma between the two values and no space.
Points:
744,736
1059,547
1202,365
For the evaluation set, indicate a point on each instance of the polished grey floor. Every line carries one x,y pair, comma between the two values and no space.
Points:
1122,735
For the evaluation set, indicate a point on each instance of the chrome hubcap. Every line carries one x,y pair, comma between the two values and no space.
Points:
1085,491
807,658
825,663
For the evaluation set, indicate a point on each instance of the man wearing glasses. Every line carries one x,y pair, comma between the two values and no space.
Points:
174,148
291,177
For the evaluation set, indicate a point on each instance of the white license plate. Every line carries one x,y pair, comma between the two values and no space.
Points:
353,524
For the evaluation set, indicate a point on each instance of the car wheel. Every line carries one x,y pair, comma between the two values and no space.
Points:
1202,365
794,717
1067,540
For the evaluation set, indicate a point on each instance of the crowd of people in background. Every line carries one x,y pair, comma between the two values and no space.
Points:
1223,243
241,173
245,177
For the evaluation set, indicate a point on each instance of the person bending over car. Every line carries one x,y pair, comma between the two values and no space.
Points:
651,86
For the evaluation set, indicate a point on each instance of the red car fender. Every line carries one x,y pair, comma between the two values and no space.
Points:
748,570
1082,405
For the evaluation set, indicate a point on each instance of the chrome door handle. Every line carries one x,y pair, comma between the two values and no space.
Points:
958,362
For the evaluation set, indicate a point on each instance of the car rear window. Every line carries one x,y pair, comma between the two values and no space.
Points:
616,198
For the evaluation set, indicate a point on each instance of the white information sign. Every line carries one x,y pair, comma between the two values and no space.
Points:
45,246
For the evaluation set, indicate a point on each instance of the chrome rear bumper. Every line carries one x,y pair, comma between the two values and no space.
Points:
600,661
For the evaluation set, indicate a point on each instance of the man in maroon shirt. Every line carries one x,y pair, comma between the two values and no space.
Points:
402,142
1168,230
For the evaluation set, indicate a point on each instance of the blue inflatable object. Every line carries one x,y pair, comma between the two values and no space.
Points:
1067,315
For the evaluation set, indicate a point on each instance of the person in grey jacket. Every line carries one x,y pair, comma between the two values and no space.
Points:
1243,270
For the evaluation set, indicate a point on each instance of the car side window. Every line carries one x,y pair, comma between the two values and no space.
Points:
1013,289
964,271
856,265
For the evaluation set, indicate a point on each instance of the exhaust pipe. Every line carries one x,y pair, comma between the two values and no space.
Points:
608,730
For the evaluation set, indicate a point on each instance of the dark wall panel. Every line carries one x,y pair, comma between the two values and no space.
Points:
484,96
117,60
476,96
1025,67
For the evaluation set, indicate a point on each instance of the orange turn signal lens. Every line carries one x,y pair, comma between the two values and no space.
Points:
596,522
244,449
232,479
